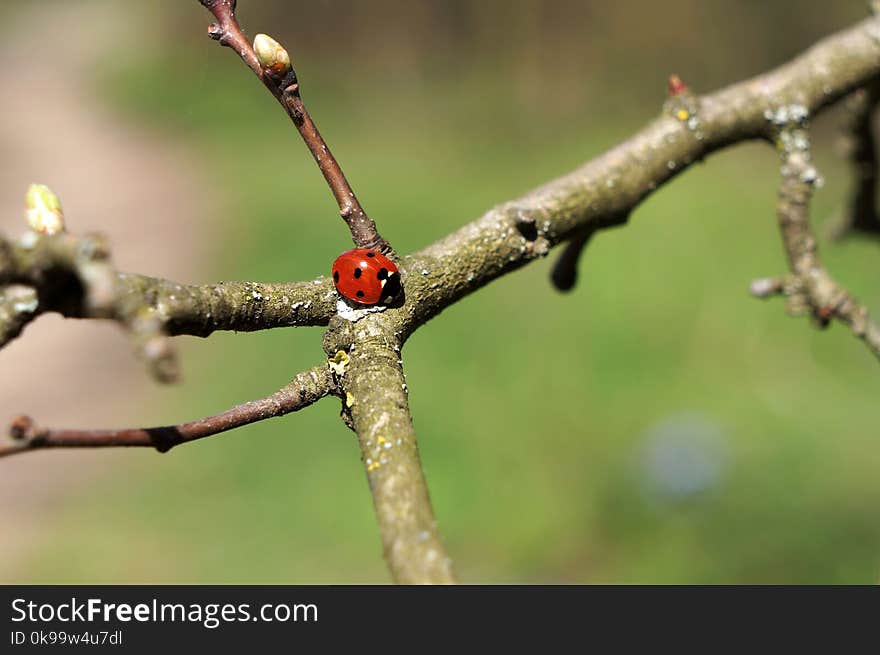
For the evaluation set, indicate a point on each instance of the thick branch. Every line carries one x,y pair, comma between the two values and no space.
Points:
75,277
305,389
199,310
376,406
286,89
614,183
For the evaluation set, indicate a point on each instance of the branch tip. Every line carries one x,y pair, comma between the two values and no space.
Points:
676,86
766,287
22,428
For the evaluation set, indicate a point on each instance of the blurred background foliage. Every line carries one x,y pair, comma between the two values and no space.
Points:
656,425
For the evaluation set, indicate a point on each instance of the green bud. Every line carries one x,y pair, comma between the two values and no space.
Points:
271,55
43,210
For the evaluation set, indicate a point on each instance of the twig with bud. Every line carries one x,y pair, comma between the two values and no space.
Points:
271,63
51,270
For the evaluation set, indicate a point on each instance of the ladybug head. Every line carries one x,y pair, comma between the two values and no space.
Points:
392,288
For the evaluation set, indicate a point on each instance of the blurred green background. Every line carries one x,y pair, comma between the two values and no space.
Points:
656,425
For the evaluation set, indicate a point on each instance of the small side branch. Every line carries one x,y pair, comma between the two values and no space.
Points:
859,146
280,79
809,288
305,389
564,273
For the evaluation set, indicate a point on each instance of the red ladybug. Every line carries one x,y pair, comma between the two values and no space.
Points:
366,276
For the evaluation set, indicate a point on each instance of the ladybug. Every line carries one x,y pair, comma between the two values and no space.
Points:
366,276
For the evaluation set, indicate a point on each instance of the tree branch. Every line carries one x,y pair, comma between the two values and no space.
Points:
75,277
809,288
564,272
616,182
283,84
199,310
305,389
376,407
860,147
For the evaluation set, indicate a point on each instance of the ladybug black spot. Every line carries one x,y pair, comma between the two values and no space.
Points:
382,274
371,254
360,294
336,276
357,273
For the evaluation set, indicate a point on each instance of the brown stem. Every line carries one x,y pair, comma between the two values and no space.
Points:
286,90
859,215
564,273
810,287
305,389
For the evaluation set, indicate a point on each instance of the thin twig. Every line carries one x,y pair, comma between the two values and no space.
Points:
287,91
306,388
811,288
564,272
859,146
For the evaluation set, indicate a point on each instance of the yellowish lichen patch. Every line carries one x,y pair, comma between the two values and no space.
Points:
349,399
339,362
